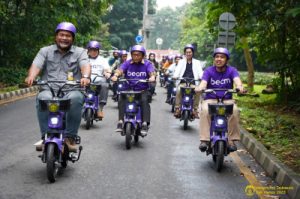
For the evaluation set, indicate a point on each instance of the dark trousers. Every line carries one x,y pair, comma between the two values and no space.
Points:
146,110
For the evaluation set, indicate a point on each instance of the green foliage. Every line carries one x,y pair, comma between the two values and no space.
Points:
12,76
167,27
272,29
125,19
278,129
260,78
27,25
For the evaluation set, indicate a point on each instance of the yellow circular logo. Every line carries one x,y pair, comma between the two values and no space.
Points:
250,190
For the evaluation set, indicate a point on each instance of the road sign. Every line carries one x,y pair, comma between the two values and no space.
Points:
227,21
139,39
226,39
159,41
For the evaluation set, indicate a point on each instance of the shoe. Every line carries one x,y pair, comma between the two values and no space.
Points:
231,146
195,114
39,145
100,114
203,146
168,101
177,113
71,144
119,128
114,97
144,129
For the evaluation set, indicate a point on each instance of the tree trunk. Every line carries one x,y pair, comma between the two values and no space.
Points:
249,63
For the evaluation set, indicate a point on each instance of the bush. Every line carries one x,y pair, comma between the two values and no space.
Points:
12,76
259,79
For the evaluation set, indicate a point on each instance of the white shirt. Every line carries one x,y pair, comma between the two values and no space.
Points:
98,66
197,67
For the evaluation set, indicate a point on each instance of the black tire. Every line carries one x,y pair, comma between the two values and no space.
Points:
88,118
136,138
128,137
219,156
185,119
52,167
173,105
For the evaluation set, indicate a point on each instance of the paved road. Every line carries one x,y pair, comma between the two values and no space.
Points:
165,164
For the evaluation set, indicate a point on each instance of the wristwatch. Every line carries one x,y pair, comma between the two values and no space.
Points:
86,76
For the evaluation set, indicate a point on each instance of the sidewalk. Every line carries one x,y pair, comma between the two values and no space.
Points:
283,175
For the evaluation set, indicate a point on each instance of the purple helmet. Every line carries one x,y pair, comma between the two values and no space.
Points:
94,44
170,57
222,51
178,56
138,48
123,52
189,46
66,26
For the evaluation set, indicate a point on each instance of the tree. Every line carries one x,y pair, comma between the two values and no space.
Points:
27,25
125,19
167,27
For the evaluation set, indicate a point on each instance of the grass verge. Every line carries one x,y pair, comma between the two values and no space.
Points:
276,129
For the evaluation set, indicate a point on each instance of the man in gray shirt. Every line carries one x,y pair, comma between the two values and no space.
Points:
62,61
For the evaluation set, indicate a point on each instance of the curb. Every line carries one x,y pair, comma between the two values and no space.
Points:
21,92
283,175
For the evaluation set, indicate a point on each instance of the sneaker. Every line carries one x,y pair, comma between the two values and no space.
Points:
177,113
195,114
71,144
100,114
231,146
39,145
144,129
119,128
203,146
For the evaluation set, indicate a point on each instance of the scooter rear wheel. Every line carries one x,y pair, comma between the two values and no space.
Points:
219,157
128,137
52,167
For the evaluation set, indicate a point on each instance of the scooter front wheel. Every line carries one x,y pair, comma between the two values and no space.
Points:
52,167
185,119
88,117
128,132
219,157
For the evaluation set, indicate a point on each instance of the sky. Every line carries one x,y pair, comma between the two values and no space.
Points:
171,3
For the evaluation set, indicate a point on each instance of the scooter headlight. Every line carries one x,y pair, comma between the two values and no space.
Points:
90,96
53,107
130,106
220,122
187,98
54,120
120,85
174,89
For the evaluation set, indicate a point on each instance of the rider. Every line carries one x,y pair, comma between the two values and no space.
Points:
156,65
188,67
114,58
115,66
220,75
136,68
57,62
170,73
100,73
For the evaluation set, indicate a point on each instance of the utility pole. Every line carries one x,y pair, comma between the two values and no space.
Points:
144,30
